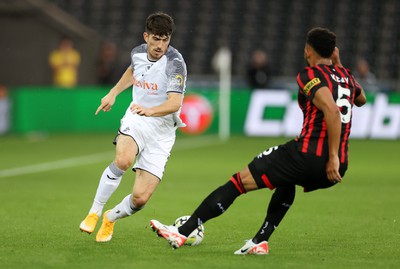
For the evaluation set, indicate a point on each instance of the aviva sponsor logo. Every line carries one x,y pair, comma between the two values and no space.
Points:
310,84
145,84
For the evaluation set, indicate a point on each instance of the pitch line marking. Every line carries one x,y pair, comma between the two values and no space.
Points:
94,158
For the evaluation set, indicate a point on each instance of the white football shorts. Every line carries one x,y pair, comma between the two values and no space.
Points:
155,139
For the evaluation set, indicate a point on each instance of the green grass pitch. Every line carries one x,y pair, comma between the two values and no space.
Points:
47,185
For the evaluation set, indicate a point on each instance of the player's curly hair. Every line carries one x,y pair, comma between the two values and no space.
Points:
160,24
322,40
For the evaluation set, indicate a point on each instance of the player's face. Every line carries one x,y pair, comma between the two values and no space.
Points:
156,45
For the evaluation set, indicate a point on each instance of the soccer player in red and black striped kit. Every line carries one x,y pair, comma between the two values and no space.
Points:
316,159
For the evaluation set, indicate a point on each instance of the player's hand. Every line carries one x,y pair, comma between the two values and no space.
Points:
332,170
106,103
336,57
141,111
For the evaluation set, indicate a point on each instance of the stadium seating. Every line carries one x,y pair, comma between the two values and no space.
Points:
365,28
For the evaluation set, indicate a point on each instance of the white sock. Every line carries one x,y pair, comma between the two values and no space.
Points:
123,209
109,182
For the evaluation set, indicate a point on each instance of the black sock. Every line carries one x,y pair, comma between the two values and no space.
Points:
280,203
214,205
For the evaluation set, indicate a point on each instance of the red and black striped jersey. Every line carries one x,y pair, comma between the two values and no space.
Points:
313,138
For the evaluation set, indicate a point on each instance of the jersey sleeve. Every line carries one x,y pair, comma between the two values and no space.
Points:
176,75
135,50
310,81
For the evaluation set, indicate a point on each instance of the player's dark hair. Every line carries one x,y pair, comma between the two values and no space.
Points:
160,24
322,40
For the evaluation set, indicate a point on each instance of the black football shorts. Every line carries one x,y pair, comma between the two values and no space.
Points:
285,165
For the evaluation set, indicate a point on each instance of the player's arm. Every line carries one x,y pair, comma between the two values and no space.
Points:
170,106
360,100
125,82
324,102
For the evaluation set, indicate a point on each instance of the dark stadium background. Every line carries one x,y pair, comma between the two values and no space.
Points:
29,29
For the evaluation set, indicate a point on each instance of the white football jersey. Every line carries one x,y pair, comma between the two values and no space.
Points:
152,80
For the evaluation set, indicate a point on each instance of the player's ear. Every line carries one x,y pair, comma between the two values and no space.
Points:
145,36
307,51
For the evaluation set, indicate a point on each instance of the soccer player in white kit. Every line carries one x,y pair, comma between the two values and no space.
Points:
157,75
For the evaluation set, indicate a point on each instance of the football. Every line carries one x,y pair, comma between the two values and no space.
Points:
196,236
